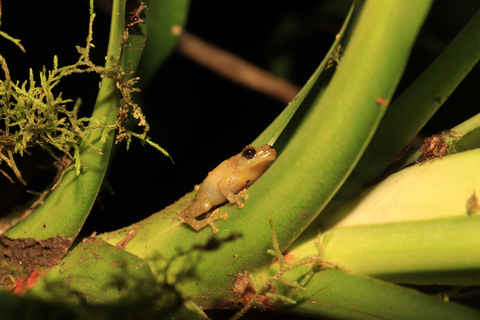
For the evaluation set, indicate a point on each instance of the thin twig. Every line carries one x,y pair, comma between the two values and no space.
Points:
235,69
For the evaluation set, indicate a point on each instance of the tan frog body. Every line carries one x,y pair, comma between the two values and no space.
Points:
227,182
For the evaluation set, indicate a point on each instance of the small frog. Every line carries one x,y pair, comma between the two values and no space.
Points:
228,181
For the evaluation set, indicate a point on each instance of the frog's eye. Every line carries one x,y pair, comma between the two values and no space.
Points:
249,152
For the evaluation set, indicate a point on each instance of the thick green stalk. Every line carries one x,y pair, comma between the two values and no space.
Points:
416,105
420,225
335,294
470,134
439,251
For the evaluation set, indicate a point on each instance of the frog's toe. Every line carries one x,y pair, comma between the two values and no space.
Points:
214,228
242,195
212,217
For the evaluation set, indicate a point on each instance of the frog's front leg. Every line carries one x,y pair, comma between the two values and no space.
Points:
209,220
231,197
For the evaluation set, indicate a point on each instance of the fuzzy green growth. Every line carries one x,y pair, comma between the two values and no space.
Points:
32,114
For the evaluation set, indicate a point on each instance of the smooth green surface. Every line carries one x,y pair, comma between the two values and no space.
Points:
340,295
438,188
470,131
413,227
416,105
440,251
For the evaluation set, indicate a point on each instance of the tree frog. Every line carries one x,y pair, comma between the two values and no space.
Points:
227,182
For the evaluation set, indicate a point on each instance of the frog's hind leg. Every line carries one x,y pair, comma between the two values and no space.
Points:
209,220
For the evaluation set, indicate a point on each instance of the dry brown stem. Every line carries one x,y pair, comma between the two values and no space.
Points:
235,69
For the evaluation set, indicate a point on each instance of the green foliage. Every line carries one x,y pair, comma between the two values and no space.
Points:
330,142
34,115
333,126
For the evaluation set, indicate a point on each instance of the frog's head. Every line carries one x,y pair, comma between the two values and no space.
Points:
264,153
254,161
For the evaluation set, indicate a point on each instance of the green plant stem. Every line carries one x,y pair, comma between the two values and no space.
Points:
15,41
420,225
440,251
462,137
336,294
416,105
470,131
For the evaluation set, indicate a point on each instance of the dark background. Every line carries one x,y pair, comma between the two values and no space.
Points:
200,118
